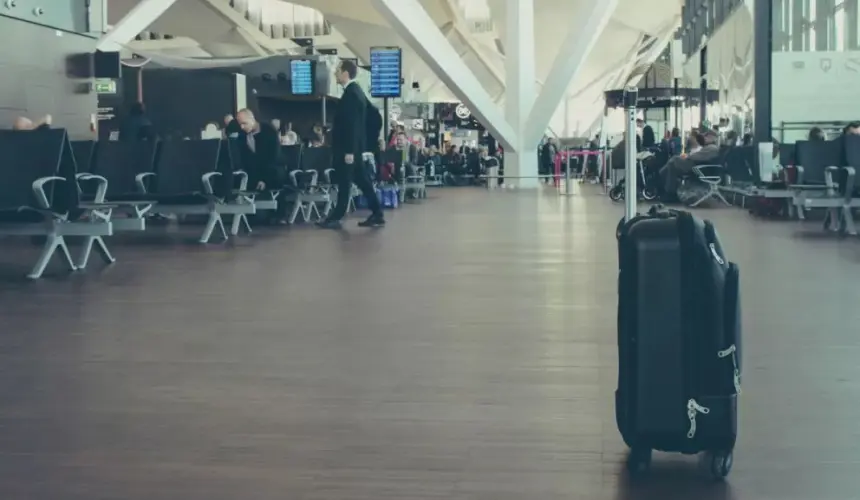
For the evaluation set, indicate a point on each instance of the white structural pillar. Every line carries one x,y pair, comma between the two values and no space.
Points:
521,163
140,17
574,51
412,22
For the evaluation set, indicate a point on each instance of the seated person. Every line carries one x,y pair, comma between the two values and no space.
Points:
679,166
24,123
694,142
852,128
488,163
454,162
816,134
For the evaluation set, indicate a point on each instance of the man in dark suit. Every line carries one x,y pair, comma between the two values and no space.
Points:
348,138
260,147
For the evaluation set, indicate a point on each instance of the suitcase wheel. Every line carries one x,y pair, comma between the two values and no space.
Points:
720,463
639,461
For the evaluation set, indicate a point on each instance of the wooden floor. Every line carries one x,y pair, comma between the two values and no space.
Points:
466,352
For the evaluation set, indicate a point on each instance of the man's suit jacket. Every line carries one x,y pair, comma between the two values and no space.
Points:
261,164
348,134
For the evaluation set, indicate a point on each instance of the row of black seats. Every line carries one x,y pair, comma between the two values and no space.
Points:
53,188
814,175
822,174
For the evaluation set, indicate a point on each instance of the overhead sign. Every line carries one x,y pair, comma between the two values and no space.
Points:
302,77
462,111
386,68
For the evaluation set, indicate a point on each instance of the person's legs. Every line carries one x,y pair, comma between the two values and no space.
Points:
362,180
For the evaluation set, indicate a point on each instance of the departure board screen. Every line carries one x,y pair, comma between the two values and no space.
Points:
385,71
302,77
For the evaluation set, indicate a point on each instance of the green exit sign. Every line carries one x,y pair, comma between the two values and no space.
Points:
104,86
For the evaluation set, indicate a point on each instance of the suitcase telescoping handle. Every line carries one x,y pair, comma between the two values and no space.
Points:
631,96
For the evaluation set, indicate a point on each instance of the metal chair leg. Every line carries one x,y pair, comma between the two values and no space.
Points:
52,243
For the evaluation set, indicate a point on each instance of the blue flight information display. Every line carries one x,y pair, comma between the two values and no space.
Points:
302,77
385,71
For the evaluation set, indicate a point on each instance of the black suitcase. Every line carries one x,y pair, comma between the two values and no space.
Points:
678,340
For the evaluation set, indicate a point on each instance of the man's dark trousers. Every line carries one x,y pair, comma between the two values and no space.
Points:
347,174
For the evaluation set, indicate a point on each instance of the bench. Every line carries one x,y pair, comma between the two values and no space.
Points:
818,164
115,174
848,186
308,190
195,177
39,197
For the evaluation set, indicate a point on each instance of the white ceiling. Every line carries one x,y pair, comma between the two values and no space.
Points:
362,27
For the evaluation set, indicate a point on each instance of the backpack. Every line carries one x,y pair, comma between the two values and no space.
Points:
373,126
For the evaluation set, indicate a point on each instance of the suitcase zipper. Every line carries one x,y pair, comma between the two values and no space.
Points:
693,409
716,254
732,351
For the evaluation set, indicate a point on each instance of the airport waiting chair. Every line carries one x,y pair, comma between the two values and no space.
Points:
196,178
114,176
310,194
848,186
711,176
738,176
818,165
302,198
414,184
39,196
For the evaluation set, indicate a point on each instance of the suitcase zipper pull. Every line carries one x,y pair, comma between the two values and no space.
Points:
732,351
716,254
694,408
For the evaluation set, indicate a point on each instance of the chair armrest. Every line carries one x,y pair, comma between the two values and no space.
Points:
710,172
207,182
243,179
850,176
39,191
829,180
314,176
799,180
140,180
101,190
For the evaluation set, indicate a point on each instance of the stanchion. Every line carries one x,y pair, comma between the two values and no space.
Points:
631,197
568,191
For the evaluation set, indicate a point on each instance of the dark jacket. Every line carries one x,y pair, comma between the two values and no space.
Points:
136,128
348,135
261,164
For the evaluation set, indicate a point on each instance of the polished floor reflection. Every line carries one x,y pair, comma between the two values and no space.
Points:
466,352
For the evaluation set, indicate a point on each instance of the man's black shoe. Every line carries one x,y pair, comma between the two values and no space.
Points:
329,224
373,221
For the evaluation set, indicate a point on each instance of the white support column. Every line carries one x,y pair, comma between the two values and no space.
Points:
140,17
412,22
572,55
520,88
